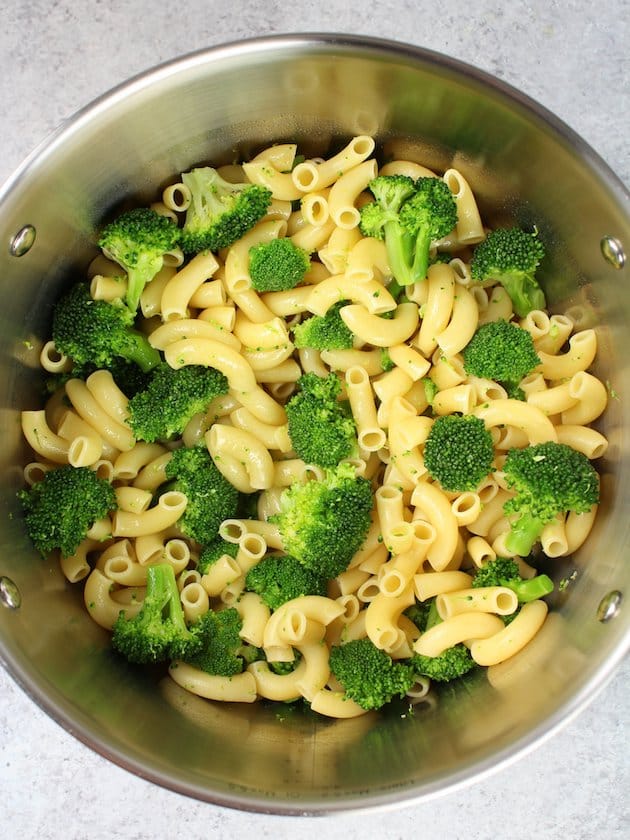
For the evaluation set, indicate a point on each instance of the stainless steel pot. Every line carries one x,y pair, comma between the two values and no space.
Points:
526,167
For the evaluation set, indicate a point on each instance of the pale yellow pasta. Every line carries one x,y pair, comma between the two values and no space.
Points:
280,184
52,360
369,435
272,437
464,627
209,294
381,619
221,573
41,437
262,336
343,360
577,528
466,508
335,704
237,279
511,638
580,356
233,530
498,600
591,396
381,332
133,499
115,433
560,328
75,567
462,325
536,323
85,445
254,615
367,260
430,584
314,607
238,452
151,297
124,571
310,176
313,237
195,601
460,399
334,254
408,168
282,377
101,607
288,302
314,207
499,307
480,551
396,575
260,360
526,417
211,353
240,688
191,328
154,473
437,310
271,686
35,471
345,191
553,539
261,404
108,395
394,383
469,227
350,580
409,360
232,591
221,317
180,288
435,507
311,361
170,506
370,295
586,440
149,548
107,288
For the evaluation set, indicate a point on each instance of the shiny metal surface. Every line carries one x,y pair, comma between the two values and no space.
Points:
526,167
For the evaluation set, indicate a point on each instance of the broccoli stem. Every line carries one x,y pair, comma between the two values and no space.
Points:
523,534
397,244
421,256
433,617
531,590
139,350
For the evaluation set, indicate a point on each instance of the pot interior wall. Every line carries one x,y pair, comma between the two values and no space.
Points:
212,108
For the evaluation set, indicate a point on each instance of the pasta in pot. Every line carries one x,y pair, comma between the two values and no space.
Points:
403,370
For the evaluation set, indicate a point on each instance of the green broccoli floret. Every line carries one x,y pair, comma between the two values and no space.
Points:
452,663
324,332
549,479
277,265
158,632
172,398
211,497
503,352
220,646
430,389
369,676
419,614
458,452
219,212
408,216
323,523
137,240
62,507
504,572
94,332
511,256
322,429
386,360
280,578
215,549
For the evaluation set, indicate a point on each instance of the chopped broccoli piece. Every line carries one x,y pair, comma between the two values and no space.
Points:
458,452
94,332
277,265
369,676
324,332
549,478
452,663
419,614
504,572
408,216
322,429
430,389
211,497
220,646
172,398
502,351
323,523
278,579
62,507
219,212
137,240
386,360
158,632
511,256
215,549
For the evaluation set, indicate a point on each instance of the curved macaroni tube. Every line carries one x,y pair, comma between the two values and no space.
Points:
76,567
379,331
101,607
370,360
465,627
469,228
381,619
181,286
577,528
314,207
367,260
231,447
560,328
212,353
133,499
435,583
369,434
310,176
408,168
170,506
437,310
125,571
128,464
459,399
336,704
462,325
588,441
314,607
432,502
220,574
523,416
282,687
580,356
334,254
263,173
499,307
235,530
42,439
191,328
254,615
271,437
487,599
315,655
591,396
261,404
369,295
512,638
289,302
209,295
114,432
409,360
154,473
85,445
52,360
240,688
345,191
195,601
266,336
552,400
553,539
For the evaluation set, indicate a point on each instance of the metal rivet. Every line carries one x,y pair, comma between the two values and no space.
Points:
609,606
9,594
23,241
613,252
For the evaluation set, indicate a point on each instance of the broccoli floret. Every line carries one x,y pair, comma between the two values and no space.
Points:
323,523
62,507
419,614
94,332
280,578
430,389
324,332
215,549
511,256
501,351
137,240
277,265
220,647
322,429
211,497
386,360
458,452
172,398
452,663
369,676
219,212
504,572
158,632
408,216
549,478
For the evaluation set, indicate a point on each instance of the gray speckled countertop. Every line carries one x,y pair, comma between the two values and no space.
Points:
573,58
